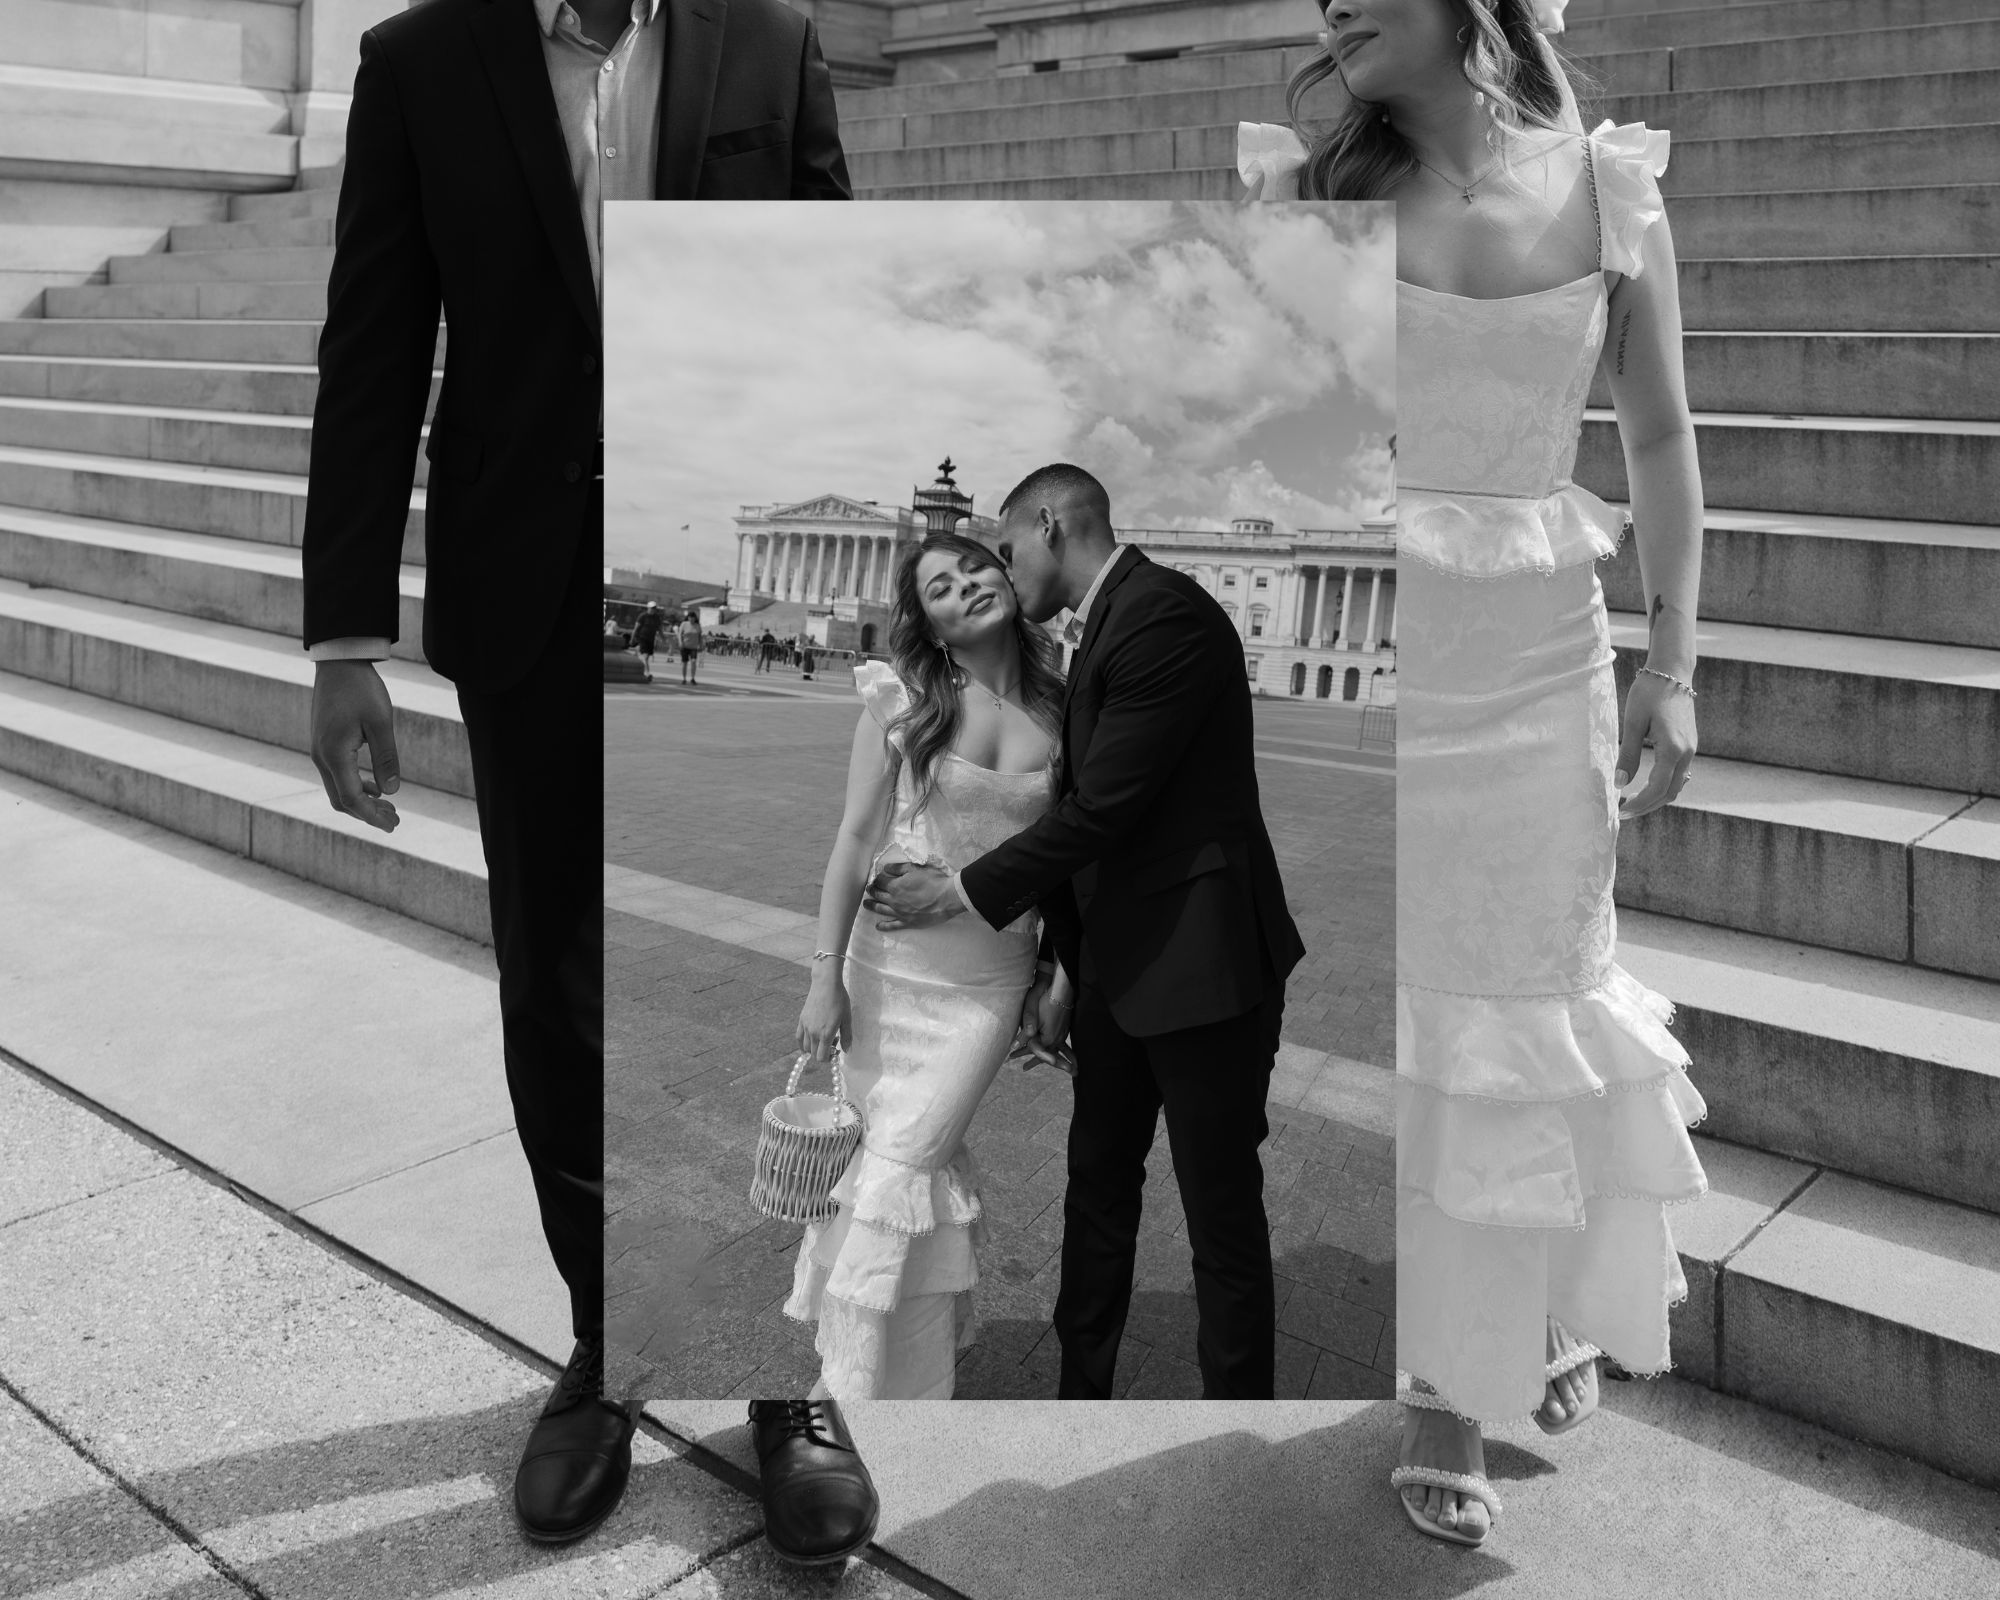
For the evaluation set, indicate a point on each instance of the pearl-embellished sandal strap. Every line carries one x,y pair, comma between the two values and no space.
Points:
1570,1360
1458,1482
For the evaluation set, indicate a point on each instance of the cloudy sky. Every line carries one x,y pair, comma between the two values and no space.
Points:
1206,360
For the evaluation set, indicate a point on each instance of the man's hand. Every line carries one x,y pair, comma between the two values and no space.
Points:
350,709
908,894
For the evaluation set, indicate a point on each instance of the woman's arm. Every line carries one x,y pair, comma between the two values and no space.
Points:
1642,363
824,1023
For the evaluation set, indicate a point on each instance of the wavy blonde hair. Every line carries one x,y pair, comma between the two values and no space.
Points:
1360,156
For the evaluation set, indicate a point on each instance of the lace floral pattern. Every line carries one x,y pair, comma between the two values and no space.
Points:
1542,1106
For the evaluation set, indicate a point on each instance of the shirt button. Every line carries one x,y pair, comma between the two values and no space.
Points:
610,66
611,152
572,470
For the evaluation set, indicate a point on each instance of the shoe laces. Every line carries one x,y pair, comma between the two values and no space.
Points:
805,1417
584,1376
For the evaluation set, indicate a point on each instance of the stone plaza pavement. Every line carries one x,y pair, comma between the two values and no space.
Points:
721,806
274,1318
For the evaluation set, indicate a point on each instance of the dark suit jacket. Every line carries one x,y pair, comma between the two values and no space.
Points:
457,196
1153,871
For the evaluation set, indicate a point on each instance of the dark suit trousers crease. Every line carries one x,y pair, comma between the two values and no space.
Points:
538,772
1212,1081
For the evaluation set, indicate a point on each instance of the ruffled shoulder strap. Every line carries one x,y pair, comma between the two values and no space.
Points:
1626,163
1272,151
882,692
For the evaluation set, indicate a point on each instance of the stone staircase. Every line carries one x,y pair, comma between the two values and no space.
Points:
1823,903
155,432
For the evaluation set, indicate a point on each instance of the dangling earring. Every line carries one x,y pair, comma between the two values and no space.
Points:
1464,32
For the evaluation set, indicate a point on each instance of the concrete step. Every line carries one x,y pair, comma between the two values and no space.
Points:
1869,1310
154,433
1957,153
268,507
1221,70
225,300
1083,155
1952,219
1927,581
1879,869
155,105
1886,709
165,341
250,798
302,264
1957,95
1827,56
1850,294
197,385
1059,119
1214,183
309,232
1875,1068
240,680
322,177
1935,375
103,146
203,576
1901,467
1670,27
291,203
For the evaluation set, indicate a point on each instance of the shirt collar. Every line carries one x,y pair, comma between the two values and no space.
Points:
547,11
1073,629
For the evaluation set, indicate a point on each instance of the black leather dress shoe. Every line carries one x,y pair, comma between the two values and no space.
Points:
819,1502
578,1457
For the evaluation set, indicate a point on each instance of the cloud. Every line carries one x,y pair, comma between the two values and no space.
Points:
1199,358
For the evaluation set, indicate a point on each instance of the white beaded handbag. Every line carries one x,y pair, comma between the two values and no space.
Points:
803,1146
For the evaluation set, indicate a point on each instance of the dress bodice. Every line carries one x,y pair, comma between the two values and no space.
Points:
1490,393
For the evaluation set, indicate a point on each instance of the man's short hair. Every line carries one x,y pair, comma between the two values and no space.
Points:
1053,484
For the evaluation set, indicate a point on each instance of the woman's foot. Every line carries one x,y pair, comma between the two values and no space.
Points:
1441,1440
1571,1394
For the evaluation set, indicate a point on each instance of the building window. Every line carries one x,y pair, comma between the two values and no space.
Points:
1257,615
1263,581
1250,666
1229,580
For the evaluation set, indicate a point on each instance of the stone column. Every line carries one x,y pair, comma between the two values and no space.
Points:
781,575
874,564
1395,611
1374,606
1344,641
1318,636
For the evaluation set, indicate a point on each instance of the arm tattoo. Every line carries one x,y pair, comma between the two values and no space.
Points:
1653,618
1624,328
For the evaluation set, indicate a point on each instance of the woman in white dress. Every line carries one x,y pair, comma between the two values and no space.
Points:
1542,1106
952,755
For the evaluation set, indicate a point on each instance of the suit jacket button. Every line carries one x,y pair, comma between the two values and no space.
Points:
572,470
590,362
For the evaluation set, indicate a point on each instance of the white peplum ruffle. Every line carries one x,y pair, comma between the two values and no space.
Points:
1490,536
1518,1111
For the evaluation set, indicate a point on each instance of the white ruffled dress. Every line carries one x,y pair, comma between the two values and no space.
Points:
934,1011
1542,1106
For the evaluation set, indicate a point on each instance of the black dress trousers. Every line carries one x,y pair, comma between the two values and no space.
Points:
538,774
1212,1081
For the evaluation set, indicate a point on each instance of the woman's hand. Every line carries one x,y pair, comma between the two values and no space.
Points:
824,1021
1657,709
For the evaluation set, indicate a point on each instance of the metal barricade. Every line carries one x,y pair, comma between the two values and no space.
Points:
1378,727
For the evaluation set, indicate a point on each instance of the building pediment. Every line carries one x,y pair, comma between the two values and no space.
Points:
831,508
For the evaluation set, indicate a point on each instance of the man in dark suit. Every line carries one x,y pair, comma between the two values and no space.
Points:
483,138
1161,901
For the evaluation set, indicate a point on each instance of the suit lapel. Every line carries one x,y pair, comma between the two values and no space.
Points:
510,46
687,97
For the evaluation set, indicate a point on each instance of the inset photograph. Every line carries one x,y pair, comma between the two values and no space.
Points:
1000,687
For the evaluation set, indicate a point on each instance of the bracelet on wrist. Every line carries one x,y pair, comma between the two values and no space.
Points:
829,955
1679,683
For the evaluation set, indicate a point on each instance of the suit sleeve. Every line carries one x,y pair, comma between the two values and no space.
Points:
819,169
1160,679
375,357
